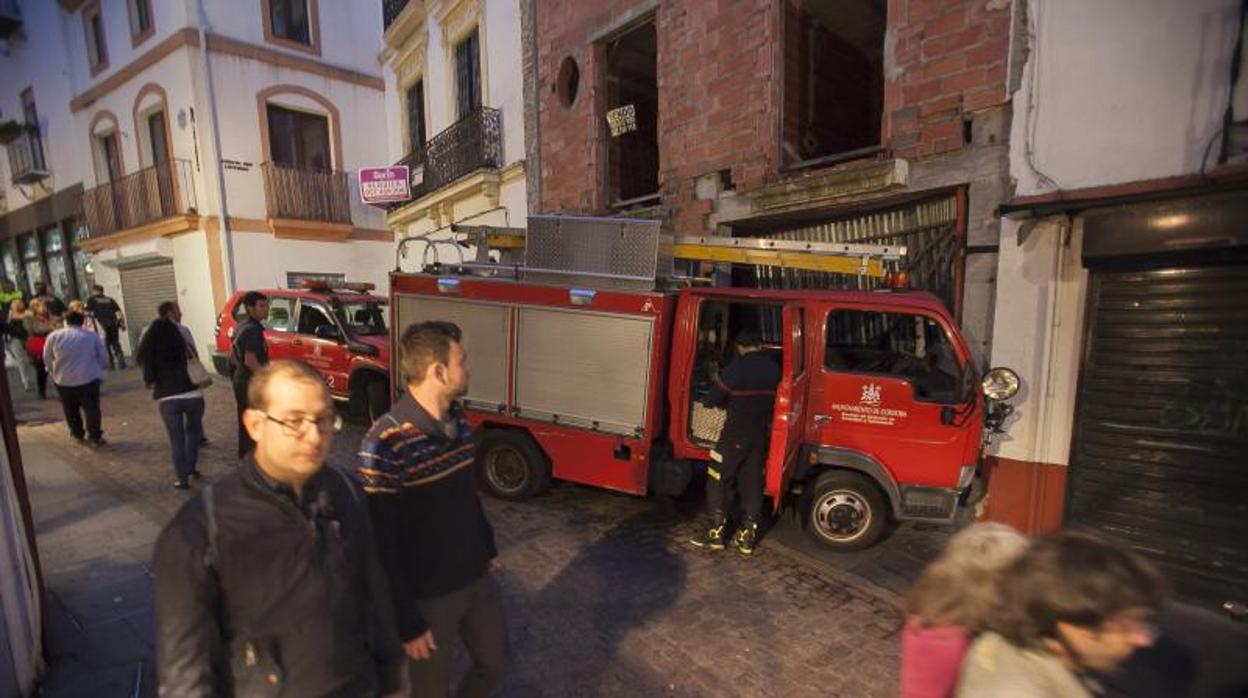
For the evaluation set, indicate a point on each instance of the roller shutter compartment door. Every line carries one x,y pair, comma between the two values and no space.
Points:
1160,454
142,290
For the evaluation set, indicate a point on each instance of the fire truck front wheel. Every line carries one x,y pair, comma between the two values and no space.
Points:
844,511
512,466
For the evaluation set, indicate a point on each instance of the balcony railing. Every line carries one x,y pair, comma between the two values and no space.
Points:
310,195
472,143
153,193
26,162
391,9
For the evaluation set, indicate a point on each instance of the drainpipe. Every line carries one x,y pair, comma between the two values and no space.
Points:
227,248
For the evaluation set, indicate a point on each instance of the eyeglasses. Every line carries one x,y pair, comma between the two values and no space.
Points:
298,426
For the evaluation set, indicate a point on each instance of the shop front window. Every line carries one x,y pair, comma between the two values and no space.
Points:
58,269
32,263
83,271
12,264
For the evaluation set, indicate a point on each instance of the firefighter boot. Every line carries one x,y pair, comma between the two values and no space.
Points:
746,538
713,537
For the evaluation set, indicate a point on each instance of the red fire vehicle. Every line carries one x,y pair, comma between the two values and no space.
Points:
338,330
880,412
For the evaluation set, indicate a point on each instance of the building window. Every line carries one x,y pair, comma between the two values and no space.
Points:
288,19
833,78
141,25
467,75
298,139
30,115
416,117
97,49
633,117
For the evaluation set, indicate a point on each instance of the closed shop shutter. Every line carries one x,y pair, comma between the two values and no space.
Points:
1160,455
142,290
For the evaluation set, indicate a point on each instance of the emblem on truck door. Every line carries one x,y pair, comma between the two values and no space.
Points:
870,395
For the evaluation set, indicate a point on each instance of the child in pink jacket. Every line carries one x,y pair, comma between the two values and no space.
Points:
948,605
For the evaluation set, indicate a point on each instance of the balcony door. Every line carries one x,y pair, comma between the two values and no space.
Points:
110,150
299,140
162,166
30,114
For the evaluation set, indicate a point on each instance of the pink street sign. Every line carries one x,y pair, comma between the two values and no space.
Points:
384,185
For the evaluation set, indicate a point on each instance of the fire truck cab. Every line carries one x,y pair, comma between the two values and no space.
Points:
879,413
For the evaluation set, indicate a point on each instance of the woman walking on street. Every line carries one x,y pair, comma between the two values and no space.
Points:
39,323
163,355
950,604
15,342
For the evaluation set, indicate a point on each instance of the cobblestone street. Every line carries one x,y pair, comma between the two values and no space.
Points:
603,595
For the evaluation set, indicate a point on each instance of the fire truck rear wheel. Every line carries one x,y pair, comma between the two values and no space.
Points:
844,511
511,465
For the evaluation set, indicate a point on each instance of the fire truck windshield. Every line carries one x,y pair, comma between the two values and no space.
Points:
363,317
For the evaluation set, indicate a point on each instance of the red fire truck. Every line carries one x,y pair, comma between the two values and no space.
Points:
880,412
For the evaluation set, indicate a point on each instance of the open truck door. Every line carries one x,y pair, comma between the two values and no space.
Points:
789,416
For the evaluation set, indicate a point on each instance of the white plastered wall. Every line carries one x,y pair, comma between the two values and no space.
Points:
263,260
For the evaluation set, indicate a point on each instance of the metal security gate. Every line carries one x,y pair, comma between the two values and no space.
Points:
142,290
928,230
1160,454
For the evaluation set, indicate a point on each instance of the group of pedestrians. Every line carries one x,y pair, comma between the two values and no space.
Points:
26,323
289,577
1061,615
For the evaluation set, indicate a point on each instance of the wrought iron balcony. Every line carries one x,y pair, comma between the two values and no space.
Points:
310,195
391,9
153,193
470,144
26,162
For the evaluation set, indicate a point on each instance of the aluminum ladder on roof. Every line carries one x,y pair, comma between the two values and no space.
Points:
828,257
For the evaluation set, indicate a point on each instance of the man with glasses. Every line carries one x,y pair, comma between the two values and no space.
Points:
267,581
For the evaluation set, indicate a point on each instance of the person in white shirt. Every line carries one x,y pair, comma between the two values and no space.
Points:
76,361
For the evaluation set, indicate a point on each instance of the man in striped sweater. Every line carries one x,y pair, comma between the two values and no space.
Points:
436,545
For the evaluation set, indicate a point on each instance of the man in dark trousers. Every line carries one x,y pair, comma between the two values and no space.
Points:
108,314
416,466
746,388
75,360
267,581
248,354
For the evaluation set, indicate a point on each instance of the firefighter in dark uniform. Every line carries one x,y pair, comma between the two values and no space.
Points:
248,354
746,387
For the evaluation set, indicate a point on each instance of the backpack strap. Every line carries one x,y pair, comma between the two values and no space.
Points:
210,516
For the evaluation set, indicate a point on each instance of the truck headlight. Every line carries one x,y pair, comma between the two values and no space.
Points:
1000,384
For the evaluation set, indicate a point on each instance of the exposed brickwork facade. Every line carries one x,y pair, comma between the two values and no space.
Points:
721,82
948,58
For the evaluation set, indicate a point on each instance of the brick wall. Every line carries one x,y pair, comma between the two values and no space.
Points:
716,97
720,74
948,60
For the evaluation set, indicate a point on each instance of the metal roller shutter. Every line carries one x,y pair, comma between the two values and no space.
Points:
142,290
1160,456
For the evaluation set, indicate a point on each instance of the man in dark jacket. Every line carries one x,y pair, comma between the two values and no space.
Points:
108,314
436,545
747,389
163,354
267,581
248,354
